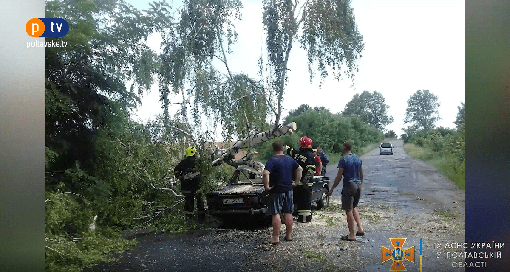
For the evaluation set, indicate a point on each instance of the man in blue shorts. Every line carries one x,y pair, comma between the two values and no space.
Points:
350,167
277,178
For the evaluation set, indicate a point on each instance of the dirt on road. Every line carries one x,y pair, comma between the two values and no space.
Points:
401,198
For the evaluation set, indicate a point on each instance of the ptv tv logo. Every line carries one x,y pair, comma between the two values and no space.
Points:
47,27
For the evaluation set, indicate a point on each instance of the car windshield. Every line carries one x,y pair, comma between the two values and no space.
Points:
386,145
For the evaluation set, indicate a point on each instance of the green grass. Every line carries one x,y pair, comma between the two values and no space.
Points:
64,254
371,215
385,207
374,217
333,208
334,158
370,147
446,164
320,258
314,256
405,194
331,221
447,216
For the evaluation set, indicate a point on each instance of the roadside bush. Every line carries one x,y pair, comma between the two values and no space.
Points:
330,130
436,141
66,254
404,137
66,214
444,148
266,150
390,134
128,159
419,142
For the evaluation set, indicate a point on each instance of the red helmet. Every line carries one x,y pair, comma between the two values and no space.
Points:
305,142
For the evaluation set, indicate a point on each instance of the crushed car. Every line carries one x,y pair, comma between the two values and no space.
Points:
245,194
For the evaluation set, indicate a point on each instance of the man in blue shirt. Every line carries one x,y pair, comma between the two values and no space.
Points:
277,178
350,167
324,160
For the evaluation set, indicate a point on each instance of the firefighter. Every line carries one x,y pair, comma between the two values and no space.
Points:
303,191
189,175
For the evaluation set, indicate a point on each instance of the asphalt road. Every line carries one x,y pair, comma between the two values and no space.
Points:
409,199
401,198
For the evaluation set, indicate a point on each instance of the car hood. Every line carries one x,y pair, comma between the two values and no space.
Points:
240,189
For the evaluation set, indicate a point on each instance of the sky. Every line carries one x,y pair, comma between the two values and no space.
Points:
410,45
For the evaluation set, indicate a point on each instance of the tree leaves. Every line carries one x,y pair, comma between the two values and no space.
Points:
460,119
330,130
422,111
204,33
371,108
330,37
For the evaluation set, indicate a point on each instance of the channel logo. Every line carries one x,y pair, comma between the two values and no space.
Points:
47,27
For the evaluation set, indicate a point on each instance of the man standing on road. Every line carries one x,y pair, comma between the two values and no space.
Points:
350,167
278,174
324,160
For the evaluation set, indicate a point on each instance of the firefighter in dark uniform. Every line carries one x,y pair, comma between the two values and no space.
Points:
303,191
186,171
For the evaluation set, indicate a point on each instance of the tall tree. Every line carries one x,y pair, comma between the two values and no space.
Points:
371,108
301,109
326,30
202,38
460,120
422,111
390,134
86,80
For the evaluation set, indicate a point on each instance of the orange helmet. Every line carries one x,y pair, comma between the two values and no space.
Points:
305,142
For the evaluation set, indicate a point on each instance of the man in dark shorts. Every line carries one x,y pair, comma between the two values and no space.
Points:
278,174
350,167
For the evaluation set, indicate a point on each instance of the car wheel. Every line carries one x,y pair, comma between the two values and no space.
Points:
323,202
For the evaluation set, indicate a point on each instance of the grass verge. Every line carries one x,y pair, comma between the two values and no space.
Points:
332,221
320,258
447,216
446,164
65,254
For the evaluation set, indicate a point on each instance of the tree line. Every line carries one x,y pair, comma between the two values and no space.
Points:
444,147
101,165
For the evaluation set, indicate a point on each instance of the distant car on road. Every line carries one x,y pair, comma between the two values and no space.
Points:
386,148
